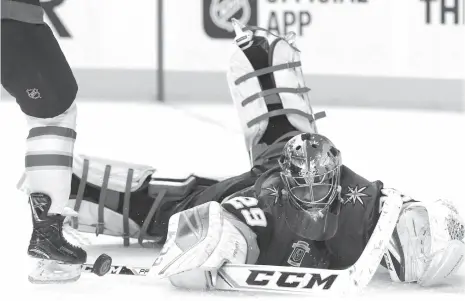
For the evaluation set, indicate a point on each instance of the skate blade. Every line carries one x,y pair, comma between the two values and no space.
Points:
52,272
52,281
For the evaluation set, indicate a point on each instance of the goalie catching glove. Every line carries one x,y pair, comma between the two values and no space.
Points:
427,244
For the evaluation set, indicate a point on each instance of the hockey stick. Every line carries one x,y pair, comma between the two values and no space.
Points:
118,270
265,278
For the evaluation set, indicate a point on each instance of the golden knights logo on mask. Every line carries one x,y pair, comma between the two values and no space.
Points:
217,15
300,249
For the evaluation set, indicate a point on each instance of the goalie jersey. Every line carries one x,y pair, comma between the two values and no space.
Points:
262,208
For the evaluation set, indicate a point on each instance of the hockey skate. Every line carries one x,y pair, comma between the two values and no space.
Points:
57,261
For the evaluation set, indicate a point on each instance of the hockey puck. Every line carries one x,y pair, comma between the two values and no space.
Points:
102,265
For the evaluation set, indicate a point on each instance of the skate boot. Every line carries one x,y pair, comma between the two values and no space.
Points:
56,259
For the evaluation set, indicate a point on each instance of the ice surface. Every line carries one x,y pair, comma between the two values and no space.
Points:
419,153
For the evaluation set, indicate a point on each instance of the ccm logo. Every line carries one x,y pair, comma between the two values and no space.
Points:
289,279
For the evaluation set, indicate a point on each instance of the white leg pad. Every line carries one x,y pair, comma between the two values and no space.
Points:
290,76
88,217
118,173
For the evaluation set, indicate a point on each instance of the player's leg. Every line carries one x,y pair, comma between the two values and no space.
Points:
36,73
269,92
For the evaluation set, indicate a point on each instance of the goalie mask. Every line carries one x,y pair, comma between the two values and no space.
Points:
310,169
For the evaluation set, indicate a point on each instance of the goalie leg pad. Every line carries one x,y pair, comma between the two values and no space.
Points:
269,92
88,217
112,178
266,81
124,199
95,169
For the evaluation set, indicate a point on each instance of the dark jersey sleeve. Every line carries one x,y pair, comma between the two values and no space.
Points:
27,11
248,209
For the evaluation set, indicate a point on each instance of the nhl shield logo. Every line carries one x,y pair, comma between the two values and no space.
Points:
33,93
217,16
221,12
300,248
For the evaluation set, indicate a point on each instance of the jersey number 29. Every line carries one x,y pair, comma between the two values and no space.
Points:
254,217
